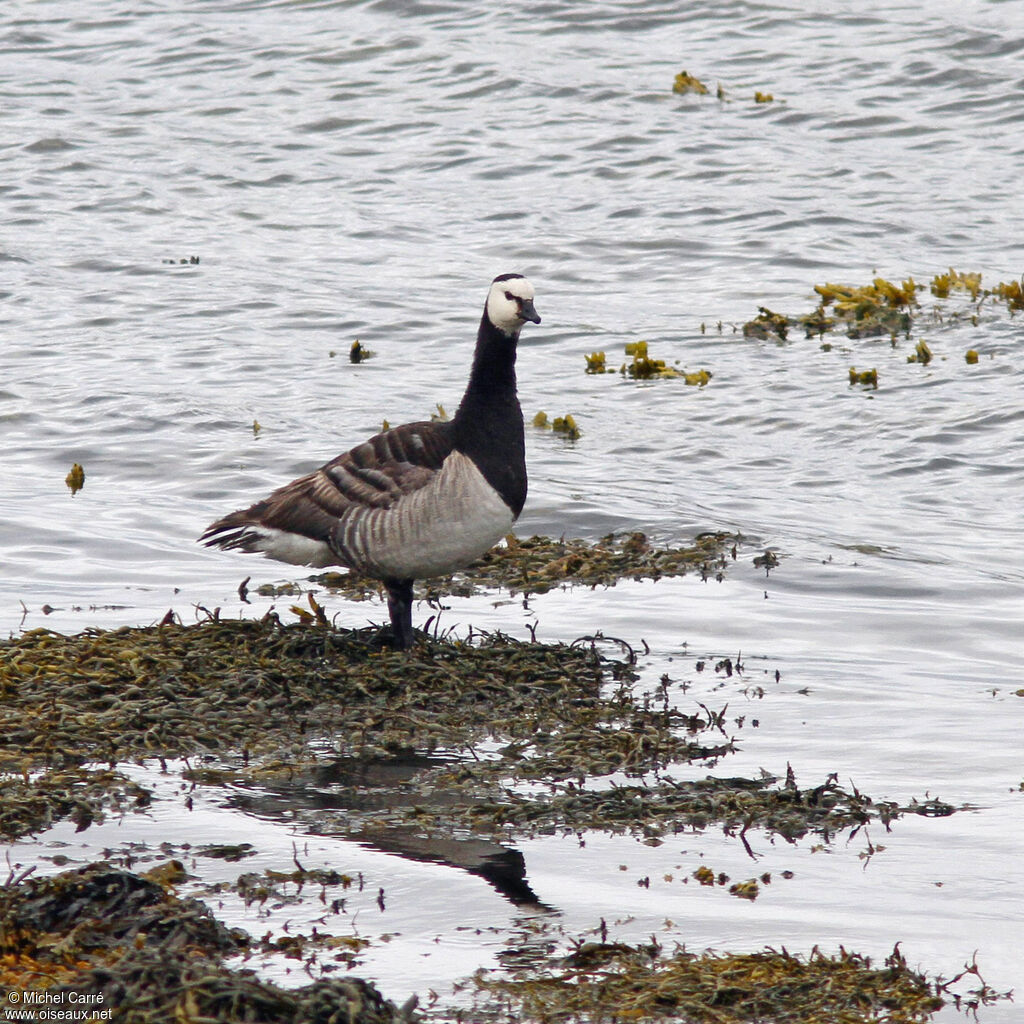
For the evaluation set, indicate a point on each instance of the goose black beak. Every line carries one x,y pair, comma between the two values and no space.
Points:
528,312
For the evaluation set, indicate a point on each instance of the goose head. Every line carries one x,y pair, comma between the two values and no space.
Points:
510,303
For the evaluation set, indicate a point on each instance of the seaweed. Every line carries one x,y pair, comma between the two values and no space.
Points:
866,377
884,308
33,802
615,981
880,308
359,353
537,564
125,947
922,353
75,479
766,324
943,284
685,82
560,425
644,367
1011,293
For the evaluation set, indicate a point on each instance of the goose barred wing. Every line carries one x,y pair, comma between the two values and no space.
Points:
373,475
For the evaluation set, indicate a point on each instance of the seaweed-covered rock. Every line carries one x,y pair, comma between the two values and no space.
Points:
117,942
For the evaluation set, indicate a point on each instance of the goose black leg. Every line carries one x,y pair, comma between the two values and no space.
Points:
400,610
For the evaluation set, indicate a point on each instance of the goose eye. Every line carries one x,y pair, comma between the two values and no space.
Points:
509,296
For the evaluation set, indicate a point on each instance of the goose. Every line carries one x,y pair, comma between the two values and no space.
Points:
423,499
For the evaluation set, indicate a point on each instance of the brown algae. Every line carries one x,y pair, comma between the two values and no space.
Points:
537,564
560,425
883,308
271,701
685,82
645,367
604,981
75,479
125,946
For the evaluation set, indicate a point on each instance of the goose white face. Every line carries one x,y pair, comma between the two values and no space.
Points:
510,303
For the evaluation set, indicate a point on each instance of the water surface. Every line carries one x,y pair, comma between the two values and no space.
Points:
362,170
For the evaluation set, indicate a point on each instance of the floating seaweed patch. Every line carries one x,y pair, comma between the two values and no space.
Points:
848,300
33,801
922,353
103,939
748,890
879,308
763,97
971,356
767,324
943,284
867,377
359,353
566,425
817,323
662,808
685,83
1011,293
615,981
75,479
886,308
560,425
257,686
697,379
535,565
276,700
596,363
644,367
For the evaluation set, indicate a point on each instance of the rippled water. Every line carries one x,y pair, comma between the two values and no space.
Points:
361,170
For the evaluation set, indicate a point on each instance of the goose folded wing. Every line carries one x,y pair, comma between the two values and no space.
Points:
375,474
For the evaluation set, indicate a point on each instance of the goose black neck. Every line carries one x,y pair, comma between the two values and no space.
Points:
489,424
492,381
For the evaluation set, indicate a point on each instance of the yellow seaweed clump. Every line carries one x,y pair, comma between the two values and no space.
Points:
922,353
685,82
847,299
763,97
872,309
644,367
75,479
971,356
767,323
869,377
697,379
596,363
748,890
560,425
943,284
614,981
1011,293
566,425
359,352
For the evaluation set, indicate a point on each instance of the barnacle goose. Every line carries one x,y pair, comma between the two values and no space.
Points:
423,499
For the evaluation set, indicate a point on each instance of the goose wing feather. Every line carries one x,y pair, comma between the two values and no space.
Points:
373,475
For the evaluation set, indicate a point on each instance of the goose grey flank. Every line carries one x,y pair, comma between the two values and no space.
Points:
423,499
